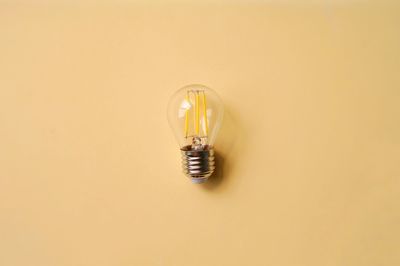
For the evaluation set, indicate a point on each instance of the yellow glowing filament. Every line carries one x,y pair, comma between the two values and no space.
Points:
187,116
205,112
197,113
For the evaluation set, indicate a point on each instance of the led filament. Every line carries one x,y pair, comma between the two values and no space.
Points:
197,133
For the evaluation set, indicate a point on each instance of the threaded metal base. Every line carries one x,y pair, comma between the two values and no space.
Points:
198,165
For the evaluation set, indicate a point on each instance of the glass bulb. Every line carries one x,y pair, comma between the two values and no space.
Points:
195,115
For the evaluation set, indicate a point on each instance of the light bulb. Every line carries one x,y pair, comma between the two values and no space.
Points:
195,115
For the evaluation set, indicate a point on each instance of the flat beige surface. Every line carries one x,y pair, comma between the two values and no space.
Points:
309,172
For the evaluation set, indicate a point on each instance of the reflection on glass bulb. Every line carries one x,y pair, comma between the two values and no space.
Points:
195,114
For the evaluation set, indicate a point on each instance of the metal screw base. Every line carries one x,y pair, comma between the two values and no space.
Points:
198,165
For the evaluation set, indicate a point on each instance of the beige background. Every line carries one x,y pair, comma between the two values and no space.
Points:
309,167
